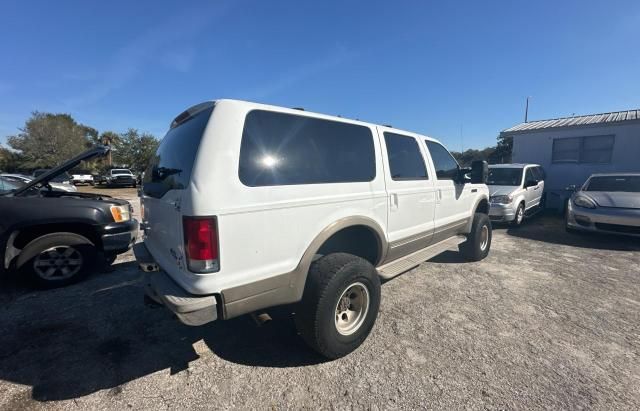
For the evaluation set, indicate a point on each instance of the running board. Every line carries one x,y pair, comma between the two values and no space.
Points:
414,259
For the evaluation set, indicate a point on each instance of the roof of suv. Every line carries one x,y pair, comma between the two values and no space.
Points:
191,111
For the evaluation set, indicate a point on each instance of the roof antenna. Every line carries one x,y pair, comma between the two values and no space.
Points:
526,111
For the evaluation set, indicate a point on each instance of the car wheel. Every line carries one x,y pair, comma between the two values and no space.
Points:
56,260
478,241
519,218
340,304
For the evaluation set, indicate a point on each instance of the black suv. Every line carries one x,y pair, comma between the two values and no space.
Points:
55,237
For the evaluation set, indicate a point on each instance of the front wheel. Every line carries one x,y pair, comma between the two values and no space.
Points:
340,304
519,218
57,259
478,241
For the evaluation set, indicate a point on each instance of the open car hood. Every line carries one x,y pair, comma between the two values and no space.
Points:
98,151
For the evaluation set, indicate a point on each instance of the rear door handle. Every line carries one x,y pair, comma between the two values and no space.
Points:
394,200
474,190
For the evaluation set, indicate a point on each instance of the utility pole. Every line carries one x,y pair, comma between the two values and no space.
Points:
526,111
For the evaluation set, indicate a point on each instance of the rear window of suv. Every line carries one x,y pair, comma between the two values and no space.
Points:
170,168
287,149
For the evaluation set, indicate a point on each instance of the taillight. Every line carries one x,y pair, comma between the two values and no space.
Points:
201,244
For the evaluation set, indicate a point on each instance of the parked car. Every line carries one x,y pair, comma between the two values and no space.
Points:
81,177
517,190
119,177
54,237
58,185
7,184
607,203
248,206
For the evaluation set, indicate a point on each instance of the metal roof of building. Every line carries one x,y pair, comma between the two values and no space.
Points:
589,119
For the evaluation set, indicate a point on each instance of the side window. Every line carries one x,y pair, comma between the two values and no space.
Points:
405,159
287,149
529,175
446,166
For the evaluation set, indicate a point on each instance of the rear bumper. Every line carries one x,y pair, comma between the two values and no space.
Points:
190,309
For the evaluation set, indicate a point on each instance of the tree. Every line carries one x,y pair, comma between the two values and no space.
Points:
49,139
498,154
134,150
9,160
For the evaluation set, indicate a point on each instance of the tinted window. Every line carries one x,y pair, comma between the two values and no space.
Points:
629,184
405,159
504,176
446,166
170,169
6,186
286,149
529,175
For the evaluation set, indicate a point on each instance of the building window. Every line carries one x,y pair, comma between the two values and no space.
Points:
591,149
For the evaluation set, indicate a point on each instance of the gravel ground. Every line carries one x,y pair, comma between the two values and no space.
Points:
548,320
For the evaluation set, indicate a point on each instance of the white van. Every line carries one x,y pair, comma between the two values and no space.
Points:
248,206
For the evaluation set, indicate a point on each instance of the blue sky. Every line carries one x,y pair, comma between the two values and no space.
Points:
458,71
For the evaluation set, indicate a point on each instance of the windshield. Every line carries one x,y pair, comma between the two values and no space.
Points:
120,171
628,184
504,176
7,186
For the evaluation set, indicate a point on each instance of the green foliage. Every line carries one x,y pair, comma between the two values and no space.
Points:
133,149
498,154
9,160
47,140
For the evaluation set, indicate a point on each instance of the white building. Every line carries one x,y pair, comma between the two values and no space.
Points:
570,149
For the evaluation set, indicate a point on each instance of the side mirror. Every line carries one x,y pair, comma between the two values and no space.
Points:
479,172
530,183
572,187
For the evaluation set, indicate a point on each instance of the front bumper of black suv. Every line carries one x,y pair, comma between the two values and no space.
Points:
117,238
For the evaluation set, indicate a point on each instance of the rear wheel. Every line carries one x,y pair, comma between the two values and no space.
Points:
57,259
340,304
478,241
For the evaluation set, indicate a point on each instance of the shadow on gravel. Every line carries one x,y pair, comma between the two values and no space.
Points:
99,334
549,228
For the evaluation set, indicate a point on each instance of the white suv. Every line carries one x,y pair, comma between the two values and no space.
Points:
248,206
516,190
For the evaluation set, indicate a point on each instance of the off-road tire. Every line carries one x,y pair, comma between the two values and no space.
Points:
80,245
316,315
478,241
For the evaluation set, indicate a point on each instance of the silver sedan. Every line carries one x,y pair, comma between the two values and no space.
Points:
608,203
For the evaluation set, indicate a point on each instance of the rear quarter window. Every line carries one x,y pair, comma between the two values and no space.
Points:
287,149
170,168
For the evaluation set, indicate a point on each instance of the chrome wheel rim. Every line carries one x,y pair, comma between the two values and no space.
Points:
352,308
520,214
58,263
484,237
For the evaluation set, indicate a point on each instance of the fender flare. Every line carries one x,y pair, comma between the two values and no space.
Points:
298,278
484,197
